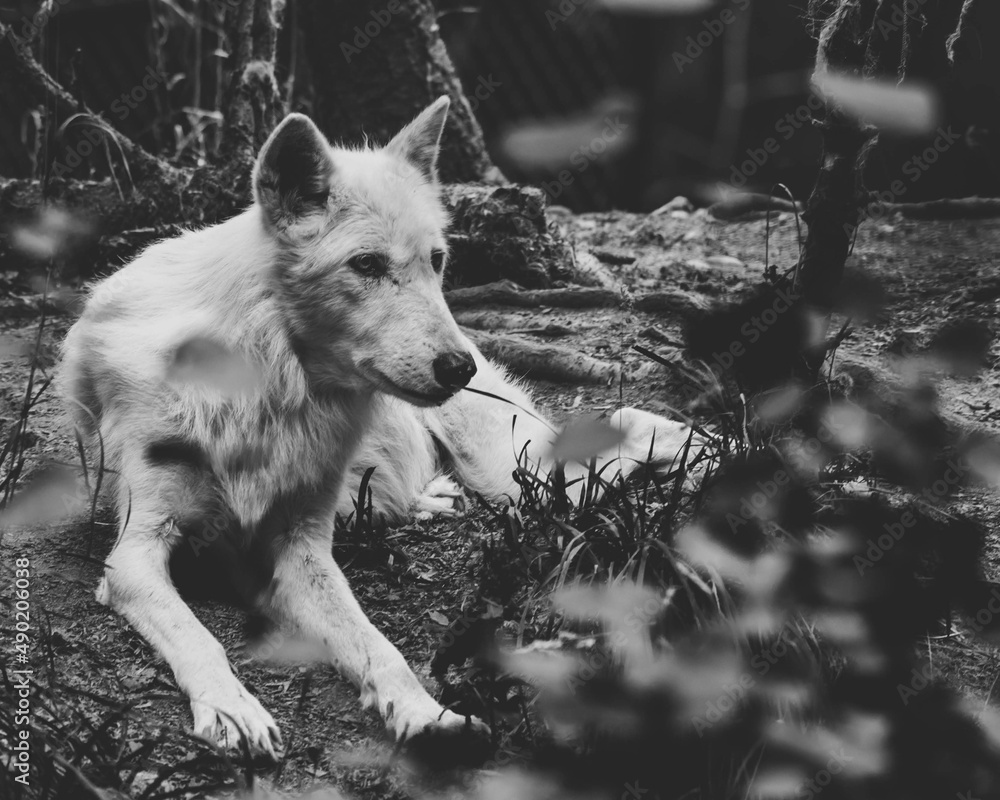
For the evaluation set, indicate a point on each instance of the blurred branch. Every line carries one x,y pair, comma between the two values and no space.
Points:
16,55
834,208
961,28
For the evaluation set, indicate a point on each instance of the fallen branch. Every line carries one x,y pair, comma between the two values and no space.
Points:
505,293
676,302
544,361
747,203
963,208
509,323
16,56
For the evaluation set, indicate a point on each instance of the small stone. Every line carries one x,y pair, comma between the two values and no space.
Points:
679,203
725,262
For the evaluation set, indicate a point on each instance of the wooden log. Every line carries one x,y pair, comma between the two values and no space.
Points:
505,293
960,208
743,204
544,362
496,233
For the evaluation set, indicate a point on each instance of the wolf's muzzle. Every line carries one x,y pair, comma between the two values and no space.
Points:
454,370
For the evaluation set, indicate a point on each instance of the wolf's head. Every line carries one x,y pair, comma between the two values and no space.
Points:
363,251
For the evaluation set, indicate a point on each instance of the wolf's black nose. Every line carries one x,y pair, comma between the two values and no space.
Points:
454,370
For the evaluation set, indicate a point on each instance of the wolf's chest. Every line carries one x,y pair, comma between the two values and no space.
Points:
258,458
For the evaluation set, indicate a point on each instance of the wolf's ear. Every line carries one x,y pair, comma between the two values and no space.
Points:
419,142
293,172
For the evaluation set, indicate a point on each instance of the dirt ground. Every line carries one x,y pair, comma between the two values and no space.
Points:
933,272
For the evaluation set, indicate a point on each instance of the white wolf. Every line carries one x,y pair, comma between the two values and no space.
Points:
328,289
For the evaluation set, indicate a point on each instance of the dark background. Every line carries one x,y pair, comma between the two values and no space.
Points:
689,122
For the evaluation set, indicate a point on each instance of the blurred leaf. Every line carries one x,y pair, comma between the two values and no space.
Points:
49,234
627,611
572,143
905,110
984,462
859,743
438,617
516,784
777,405
206,362
777,783
658,7
545,668
14,347
278,648
989,720
848,424
963,346
582,439
56,494
703,549
842,627
608,603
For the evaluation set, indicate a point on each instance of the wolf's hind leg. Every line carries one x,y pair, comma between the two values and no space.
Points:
488,439
137,585
440,497
485,438
404,458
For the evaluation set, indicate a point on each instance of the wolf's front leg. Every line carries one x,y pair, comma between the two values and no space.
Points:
309,598
137,585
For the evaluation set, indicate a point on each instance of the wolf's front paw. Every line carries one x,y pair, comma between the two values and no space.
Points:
227,715
441,497
426,718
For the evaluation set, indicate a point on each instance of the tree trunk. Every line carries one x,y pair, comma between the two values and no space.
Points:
834,210
375,64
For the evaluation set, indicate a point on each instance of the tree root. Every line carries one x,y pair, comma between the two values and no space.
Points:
544,361
504,293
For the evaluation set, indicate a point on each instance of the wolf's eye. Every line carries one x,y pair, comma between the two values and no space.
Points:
368,263
437,260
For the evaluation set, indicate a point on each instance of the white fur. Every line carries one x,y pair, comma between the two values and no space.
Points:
258,471
339,354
